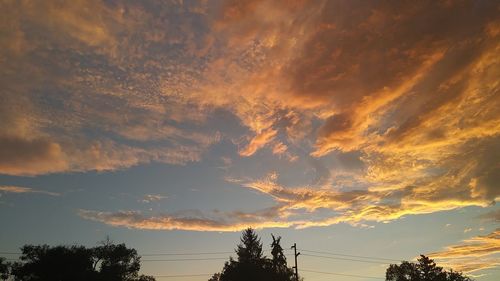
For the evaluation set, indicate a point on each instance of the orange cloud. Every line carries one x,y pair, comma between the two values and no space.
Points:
21,189
412,88
358,206
133,219
258,142
472,254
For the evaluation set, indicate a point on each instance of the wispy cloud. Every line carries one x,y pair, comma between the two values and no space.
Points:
473,254
356,207
228,222
20,189
491,216
148,198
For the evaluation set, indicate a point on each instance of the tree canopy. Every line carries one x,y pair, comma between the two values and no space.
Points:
107,262
116,262
425,269
251,264
4,269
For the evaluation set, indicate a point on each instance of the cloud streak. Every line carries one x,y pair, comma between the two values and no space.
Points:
357,207
21,189
135,219
473,254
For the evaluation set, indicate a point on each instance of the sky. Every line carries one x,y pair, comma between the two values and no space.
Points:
355,128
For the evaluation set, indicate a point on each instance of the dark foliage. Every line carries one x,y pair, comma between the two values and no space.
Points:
252,265
108,262
215,277
116,262
424,270
54,263
4,269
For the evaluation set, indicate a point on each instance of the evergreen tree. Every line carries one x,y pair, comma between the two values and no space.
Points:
251,265
279,268
250,248
279,259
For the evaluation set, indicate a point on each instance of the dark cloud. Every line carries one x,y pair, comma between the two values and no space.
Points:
29,157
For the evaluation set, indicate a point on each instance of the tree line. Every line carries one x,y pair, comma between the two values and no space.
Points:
116,262
251,265
106,262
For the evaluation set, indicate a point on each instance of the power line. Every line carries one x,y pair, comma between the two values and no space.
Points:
186,254
193,254
190,259
345,259
346,255
166,254
181,275
341,274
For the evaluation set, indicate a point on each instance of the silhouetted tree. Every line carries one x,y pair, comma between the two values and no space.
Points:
116,262
250,248
40,263
108,262
4,269
280,269
215,277
146,278
424,270
252,265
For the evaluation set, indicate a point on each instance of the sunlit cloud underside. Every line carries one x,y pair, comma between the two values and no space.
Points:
394,107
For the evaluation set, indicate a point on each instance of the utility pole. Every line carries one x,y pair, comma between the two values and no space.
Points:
294,247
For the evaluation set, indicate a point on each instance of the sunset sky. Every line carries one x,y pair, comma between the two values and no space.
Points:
360,128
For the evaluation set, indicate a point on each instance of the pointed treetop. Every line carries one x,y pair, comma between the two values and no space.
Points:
250,248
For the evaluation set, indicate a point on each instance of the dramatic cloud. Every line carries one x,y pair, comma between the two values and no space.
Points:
82,91
479,252
393,107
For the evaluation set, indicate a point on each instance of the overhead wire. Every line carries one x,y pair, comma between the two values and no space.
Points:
346,255
345,259
9,253
185,254
305,252
190,259
341,274
181,275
